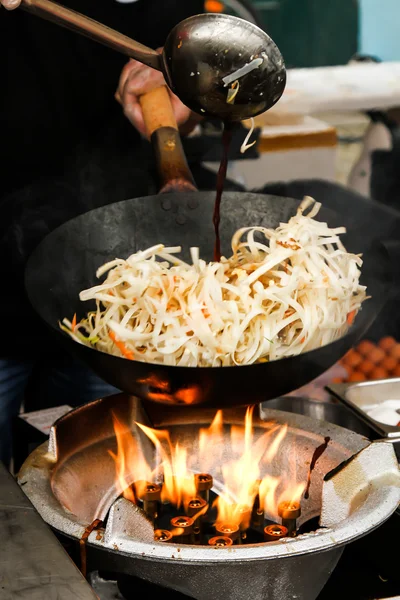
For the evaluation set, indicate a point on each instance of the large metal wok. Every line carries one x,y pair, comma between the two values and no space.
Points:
66,262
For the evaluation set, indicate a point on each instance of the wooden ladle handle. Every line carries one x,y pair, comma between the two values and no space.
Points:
157,110
162,129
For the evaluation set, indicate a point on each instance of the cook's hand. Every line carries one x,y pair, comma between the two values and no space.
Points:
136,79
10,4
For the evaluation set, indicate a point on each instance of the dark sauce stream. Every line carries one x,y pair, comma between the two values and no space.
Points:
226,142
318,452
82,544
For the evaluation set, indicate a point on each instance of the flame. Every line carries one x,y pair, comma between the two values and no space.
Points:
128,468
246,477
159,390
240,474
212,435
179,485
268,487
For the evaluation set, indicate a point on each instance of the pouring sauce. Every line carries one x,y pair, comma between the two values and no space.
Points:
82,544
226,142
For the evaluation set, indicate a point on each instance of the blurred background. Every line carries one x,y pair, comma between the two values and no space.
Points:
312,33
338,119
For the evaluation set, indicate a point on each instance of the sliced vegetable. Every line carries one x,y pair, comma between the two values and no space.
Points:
350,317
121,346
245,145
247,68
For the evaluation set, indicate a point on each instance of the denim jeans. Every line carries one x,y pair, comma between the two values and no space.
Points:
56,382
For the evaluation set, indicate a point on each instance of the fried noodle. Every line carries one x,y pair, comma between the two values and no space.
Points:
282,292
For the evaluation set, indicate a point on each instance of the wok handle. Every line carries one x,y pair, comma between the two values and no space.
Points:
74,21
162,128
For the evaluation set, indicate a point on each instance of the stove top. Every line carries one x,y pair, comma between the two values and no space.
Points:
360,574
368,570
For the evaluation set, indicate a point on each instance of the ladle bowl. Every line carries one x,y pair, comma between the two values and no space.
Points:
201,56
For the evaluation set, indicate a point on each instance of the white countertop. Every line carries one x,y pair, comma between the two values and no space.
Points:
357,86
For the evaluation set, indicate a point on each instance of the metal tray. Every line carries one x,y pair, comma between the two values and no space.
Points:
359,396
332,412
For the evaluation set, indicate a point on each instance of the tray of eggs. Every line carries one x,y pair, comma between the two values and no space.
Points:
371,387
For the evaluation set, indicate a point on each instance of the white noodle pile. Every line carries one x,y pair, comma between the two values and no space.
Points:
282,292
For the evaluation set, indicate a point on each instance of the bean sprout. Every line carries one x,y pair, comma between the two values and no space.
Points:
232,92
245,146
247,68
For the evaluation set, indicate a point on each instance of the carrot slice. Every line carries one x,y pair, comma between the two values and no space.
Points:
121,346
73,324
350,317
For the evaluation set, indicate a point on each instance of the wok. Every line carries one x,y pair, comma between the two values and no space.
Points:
65,262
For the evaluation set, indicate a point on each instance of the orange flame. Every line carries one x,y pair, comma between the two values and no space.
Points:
212,435
240,475
240,479
179,485
128,468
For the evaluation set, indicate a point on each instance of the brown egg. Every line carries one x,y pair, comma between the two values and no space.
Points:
378,373
395,351
366,367
357,376
376,355
352,358
387,343
365,347
389,363
396,371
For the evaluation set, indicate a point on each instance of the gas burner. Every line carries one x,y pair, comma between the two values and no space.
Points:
346,487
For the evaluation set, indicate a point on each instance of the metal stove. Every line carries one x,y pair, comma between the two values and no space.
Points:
354,488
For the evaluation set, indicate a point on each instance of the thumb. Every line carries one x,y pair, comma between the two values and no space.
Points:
10,4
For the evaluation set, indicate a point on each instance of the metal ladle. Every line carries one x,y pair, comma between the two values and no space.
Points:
218,65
